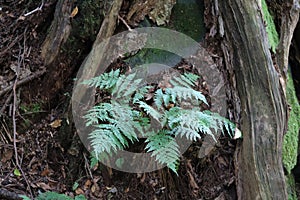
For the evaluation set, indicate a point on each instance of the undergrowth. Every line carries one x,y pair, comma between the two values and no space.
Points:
175,110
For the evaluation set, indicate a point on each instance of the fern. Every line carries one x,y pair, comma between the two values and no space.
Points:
126,86
177,94
164,148
186,80
104,81
149,110
57,196
117,124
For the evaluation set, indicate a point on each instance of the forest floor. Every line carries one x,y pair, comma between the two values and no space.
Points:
33,159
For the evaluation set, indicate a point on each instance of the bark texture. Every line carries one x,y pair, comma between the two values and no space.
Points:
262,102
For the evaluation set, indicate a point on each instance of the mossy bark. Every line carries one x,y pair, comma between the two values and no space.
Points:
262,100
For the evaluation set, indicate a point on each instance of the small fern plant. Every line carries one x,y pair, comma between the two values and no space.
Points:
175,109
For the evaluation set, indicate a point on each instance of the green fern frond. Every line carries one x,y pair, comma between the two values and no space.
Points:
222,123
103,140
186,80
104,81
100,112
140,93
177,94
190,123
119,122
165,149
190,134
182,93
150,110
126,86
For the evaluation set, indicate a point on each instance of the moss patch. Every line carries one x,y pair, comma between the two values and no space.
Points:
290,143
292,195
271,29
187,17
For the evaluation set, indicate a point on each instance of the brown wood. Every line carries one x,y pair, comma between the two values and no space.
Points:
262,102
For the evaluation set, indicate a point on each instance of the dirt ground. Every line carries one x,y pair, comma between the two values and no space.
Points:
44,163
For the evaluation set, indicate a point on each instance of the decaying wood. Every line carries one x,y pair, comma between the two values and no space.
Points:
59,31
263,105
289,19
93,61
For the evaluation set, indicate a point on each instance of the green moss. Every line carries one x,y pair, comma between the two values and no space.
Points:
290,143
292,195
271,29
87,22
187,17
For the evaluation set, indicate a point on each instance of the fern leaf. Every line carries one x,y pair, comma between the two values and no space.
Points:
190,134
104,81
126,86
103,140
100,112
186,80
158,98
183,93
115,133
190,76
140,93
150,110
165,149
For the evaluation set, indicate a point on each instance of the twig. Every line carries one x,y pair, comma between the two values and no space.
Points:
124,22
23,81
5,104
20,59
17,39
35,10
87,167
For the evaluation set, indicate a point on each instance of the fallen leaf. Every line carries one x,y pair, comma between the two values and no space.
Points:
44,186
126,190
87,184
7,155
45,172
56,123
74,12
17,172
79,191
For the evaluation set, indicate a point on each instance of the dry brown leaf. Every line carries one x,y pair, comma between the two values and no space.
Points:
44,186
87,184
95,187
79,191
45,172
126,190
7,155
74,12
56,123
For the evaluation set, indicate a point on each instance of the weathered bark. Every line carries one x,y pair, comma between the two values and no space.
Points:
59,31
262,102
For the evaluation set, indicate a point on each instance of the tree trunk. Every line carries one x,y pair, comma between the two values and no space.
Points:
263,108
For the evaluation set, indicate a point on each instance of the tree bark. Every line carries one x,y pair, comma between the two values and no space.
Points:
262,101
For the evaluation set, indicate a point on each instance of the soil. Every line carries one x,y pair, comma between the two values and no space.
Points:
46,162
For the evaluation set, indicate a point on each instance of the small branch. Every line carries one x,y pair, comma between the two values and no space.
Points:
20,61
23,81
125,23
87,167
5,104
17,39
35,10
